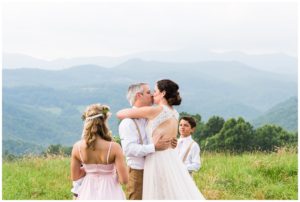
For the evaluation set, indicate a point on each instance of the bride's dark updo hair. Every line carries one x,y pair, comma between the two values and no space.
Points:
171,88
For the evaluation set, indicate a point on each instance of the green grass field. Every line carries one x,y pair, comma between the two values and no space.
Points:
247,176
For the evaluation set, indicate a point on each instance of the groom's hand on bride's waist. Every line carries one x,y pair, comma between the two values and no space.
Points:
163,144
174,142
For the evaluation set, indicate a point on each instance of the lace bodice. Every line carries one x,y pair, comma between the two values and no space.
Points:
164,170
164,115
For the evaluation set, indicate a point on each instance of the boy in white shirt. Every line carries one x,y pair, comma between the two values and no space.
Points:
189,150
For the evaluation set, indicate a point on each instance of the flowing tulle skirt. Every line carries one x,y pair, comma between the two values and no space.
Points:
166,178
100,187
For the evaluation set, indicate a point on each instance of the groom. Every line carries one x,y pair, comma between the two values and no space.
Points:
134,140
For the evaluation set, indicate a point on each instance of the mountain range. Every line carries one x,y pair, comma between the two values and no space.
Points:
284,114
275,62
42,107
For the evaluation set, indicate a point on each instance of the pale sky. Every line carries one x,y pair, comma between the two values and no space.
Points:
78,29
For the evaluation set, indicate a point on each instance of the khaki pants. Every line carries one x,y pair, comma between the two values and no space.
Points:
134,188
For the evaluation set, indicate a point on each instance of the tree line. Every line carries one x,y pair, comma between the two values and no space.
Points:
238,135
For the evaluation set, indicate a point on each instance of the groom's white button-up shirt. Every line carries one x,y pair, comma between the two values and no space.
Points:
192,161
134,151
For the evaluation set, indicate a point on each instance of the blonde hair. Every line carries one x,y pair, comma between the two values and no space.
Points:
95,117
133,90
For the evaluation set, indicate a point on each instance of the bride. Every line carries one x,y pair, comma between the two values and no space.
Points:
165,176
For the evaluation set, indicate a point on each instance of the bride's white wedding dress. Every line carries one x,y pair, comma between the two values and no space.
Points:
165,176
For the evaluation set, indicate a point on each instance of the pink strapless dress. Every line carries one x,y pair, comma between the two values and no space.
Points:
100,183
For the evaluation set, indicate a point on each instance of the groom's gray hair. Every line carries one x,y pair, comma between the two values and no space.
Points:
133,90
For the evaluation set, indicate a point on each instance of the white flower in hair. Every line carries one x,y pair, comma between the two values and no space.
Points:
93,117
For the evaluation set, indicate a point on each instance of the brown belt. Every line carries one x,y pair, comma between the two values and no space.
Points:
130,169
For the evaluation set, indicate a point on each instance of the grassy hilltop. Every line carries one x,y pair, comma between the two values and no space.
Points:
222,176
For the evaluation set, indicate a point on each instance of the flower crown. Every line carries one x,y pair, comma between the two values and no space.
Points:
103,112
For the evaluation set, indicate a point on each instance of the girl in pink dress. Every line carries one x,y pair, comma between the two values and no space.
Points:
104,168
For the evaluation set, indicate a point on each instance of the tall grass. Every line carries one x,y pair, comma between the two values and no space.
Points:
222,176
36,178
249,176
